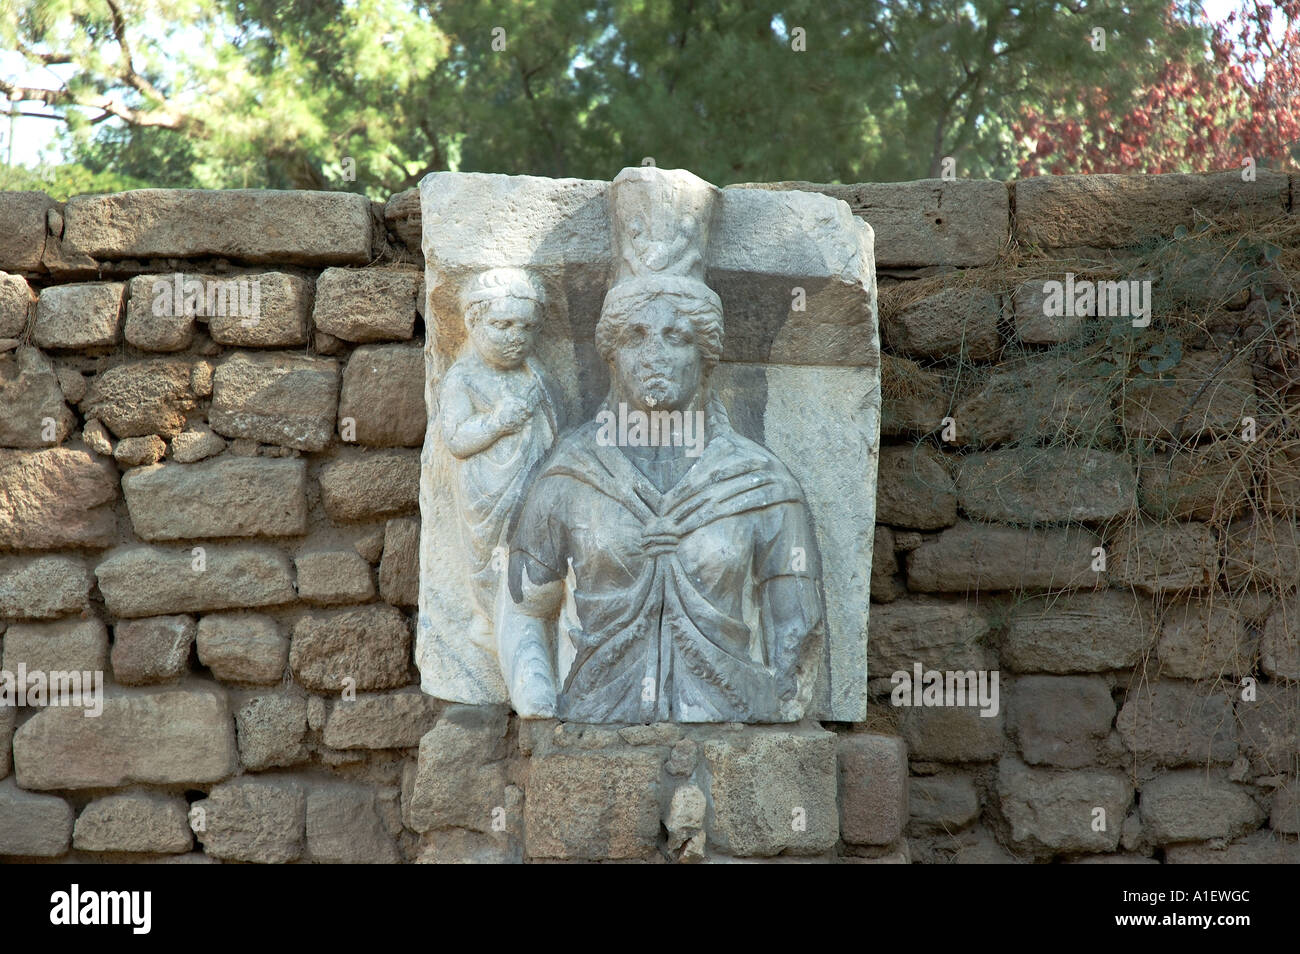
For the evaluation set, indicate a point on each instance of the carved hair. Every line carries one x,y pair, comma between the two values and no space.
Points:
495,284
694,299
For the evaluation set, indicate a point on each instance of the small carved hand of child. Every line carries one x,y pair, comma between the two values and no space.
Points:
512,413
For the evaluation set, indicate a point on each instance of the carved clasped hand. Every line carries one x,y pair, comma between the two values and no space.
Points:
659,536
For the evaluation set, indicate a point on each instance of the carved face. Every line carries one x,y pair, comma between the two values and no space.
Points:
505,331
657,362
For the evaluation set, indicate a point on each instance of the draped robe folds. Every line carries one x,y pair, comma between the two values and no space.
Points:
675,620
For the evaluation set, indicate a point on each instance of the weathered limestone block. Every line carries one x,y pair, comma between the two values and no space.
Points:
254,819
140,451
151,581
71,382
1083,632
942,802
330,577
33,825
914,489
460,777
764,780
87,315
971,556
373,485
172,736
242,647
1279,647
344,826
596,805
885,588
1201,484
399,570
1284,809
1188,806
951,322
153,323
285,399
96,437
282,318
915,400
152,650
143,397
56,498
271,728
1263,552
1060,720
953,733
248,225
1204,639
1159,558
381,720
369,644
68,644
32,408
1111,211
1035,485
383,396
134,822
367,304
1178,723
1211,393
17,303
227,497
43,587
22,241
1270,728
1257,848
1036,399
1033,324
1055,810
872,788
933,632
196,443
927,221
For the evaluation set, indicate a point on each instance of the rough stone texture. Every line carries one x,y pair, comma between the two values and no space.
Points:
43,587
56,498
933,632
271,728
242,647
1284,811
78,316
762,782
370,644
377,484
22,242
460,778
328,577
399,571
1270,728
971,556
594,805
65,645
383,395
1055,810
344,826
1161,558
152,650
915,400
872,788
33,825
247,225
30,399
1202,484
914,489
8,716
885,586
1211,393
952,733
195,444
153,323
134,822
1083,632
227,497
97,438
140,451
1257,848
367,304
151,581
261,820
282,319
171,736
1188,806
951,322
1263,552
17,302
1204,639
1279,647
280,398
1110,211
1178,723
142,398
1037,485
1033,326
942,802
1035,399
387,720
1060,720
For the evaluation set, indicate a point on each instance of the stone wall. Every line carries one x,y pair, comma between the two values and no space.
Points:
221,514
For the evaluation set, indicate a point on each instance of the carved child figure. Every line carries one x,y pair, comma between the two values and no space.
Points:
498,420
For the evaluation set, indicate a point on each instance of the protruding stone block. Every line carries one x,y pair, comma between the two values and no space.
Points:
151,581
